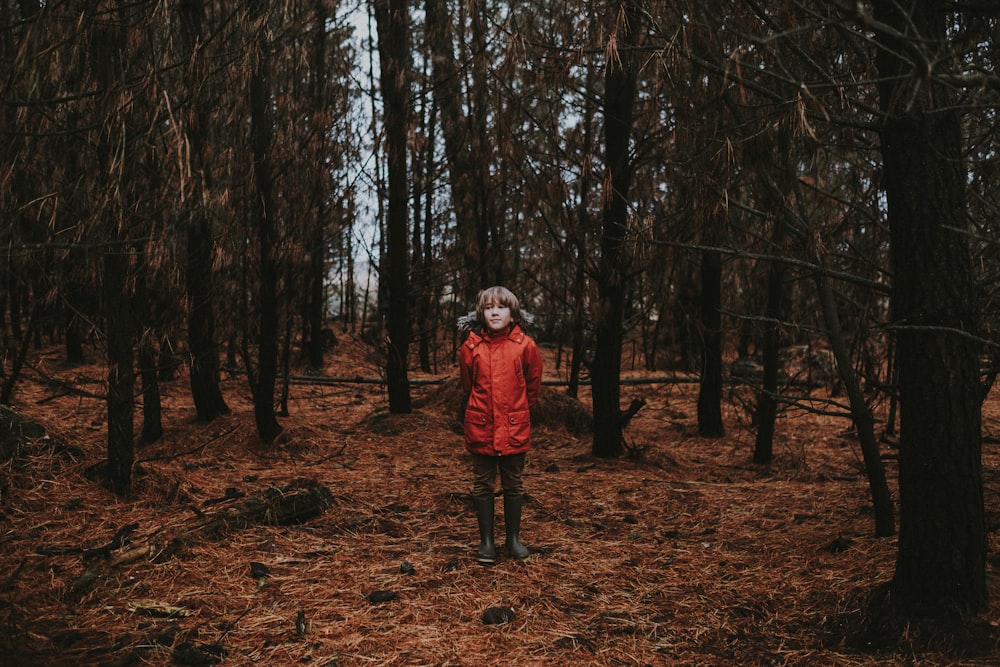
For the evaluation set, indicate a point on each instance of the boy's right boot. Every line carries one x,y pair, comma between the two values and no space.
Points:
485,512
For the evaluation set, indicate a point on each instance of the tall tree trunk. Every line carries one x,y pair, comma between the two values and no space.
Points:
109,59
199,275
619,102
262,211
393,29
941,560
314,311
776,190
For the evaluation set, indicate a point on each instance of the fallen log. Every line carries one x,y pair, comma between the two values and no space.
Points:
295,503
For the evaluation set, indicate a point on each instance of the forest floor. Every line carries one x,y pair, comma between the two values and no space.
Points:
683,552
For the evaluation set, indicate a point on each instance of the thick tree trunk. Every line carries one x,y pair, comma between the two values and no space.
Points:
265,223
198,275
941,561
393,29
619,102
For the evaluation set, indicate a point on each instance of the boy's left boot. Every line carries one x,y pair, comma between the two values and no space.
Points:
512,520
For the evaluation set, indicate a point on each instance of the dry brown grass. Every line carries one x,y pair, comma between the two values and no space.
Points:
682,553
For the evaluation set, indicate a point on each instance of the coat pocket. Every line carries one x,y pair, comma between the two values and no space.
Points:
478,427
519,426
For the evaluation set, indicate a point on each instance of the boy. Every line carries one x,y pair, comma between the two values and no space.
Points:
501,370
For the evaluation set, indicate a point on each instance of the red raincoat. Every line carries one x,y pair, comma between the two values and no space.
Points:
502,376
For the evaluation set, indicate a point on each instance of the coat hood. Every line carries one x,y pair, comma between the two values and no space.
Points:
468,322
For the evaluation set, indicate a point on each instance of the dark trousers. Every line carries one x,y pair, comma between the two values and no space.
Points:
484,474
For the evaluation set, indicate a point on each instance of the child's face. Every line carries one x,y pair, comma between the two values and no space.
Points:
497,317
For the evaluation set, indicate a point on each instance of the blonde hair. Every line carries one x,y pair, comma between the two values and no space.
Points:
502,297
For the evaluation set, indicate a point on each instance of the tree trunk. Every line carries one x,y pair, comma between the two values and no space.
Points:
861,414
204,353
710,387
619,102
264,222
314,311
776,178
121,380
393,30
198,275
941,560
767,398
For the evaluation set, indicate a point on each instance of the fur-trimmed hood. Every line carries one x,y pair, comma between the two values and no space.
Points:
469,322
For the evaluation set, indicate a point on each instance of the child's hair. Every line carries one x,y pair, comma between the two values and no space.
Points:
500,296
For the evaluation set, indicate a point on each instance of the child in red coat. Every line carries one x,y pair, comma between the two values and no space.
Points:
501,374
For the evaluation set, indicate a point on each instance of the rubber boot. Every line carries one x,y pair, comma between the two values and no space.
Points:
512,520
487,552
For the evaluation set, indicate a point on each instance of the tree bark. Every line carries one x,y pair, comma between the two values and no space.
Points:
941,560
710,389
263,213
619,103
767,398
776,180
314,309
393,29
198,275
